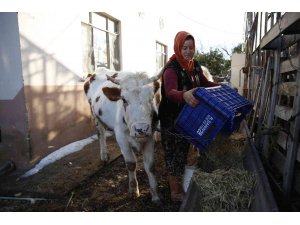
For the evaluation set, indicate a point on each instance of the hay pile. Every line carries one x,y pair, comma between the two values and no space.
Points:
224,190
221,180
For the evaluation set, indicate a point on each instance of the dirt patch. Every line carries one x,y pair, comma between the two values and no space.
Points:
81,182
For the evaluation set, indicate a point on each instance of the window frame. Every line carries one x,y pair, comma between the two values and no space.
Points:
108,36
163,54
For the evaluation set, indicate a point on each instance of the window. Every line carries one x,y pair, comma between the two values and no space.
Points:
161,55
100,42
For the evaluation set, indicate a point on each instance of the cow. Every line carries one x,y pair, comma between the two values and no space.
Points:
123,102
206,73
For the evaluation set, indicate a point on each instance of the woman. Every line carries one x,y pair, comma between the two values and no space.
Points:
182,75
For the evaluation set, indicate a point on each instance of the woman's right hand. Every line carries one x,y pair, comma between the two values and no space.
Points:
189,97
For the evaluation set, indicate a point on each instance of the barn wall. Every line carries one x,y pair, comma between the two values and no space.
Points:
58,112
10,58
13,114
51,48
58,115
14,130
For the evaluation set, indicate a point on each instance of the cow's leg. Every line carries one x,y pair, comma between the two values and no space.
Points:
149,168
131,163
102,141
133,183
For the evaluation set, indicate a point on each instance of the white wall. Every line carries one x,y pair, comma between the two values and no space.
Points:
51,48
51,43
140,31
11,81
237,76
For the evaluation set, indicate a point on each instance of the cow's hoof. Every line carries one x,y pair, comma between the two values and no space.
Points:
156,201
134,194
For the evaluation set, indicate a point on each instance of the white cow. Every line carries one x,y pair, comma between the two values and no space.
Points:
206,73
123,102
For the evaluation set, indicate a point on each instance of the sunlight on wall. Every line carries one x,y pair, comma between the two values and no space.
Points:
50,43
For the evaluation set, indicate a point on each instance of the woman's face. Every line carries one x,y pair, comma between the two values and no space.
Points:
188,50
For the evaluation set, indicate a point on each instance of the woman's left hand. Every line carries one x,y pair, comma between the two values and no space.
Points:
189,97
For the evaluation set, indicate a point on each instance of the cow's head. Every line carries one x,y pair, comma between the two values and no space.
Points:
135,95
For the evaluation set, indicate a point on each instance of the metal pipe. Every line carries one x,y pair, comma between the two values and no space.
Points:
31,200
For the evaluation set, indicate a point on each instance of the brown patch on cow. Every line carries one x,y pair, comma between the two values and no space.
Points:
131,166
112,93
97,99
90,78
86,86
157,95
157,98
156,85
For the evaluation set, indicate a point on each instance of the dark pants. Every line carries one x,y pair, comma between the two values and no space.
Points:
175,149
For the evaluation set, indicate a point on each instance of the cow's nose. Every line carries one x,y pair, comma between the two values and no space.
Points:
140,130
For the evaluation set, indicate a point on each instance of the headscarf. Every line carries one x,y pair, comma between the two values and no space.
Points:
179,40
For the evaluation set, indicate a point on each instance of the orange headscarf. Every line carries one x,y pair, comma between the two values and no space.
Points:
179,40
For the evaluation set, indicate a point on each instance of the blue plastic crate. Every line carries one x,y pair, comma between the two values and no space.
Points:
221,109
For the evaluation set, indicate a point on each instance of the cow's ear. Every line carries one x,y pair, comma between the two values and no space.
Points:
112,93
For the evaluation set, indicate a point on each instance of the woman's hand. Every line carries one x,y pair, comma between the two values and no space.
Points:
189,98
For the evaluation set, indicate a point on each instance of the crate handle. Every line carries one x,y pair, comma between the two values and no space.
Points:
209,88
